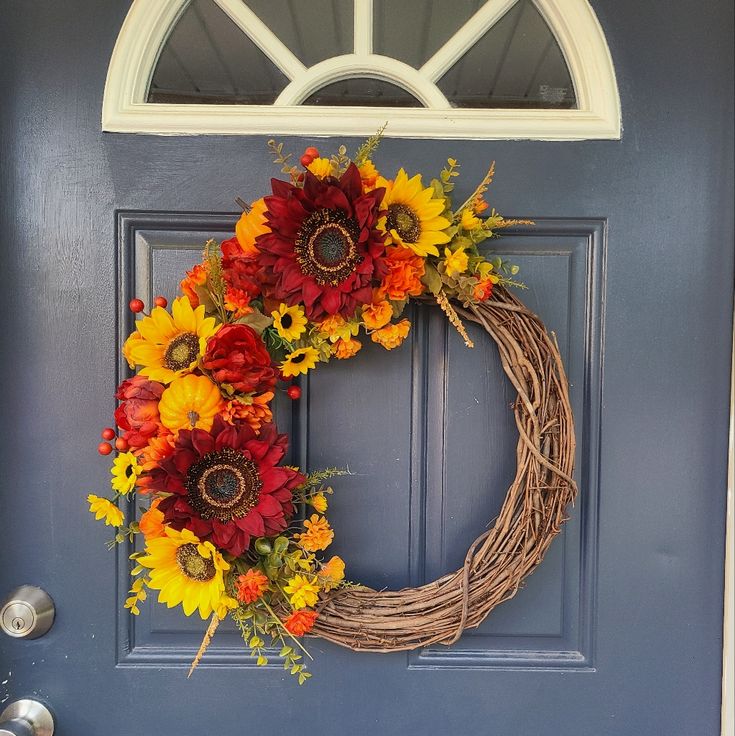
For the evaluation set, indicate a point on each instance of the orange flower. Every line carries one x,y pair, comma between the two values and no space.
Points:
405,270
377,314
151,522
392,335
158,449
369,175
300,622
250,225
483,289
237,301
255,414
336,327
251,586
194,278
333,571
318,534
479,205
344,349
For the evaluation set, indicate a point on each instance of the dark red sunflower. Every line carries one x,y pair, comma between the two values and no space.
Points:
323,250
225,484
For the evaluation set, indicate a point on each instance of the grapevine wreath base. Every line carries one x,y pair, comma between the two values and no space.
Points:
532,514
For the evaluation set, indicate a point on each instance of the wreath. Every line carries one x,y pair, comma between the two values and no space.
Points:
329,259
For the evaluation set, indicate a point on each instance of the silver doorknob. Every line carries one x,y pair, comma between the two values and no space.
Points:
26,718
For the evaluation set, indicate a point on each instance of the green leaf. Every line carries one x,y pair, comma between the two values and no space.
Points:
432,279
263,546
259,322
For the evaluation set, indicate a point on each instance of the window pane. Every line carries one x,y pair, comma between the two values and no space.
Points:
313,30
414,30
371,92
208,59
517,63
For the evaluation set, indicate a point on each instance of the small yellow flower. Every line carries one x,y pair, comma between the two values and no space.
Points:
319,502
455,263
102,508
299,362
470,221
226,604
318,534
321,168
301,592
332,573
290,322
125,471
335,327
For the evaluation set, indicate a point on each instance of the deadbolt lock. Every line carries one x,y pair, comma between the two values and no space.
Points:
27,613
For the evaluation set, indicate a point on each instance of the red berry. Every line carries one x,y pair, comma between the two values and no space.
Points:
306,160
122,444
108,433
104,448
311,151
136,305
161,301
294,392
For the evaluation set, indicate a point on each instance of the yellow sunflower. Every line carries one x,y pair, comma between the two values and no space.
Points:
103,508
190,401
185,571
290,322
169,345
413,215
299,361
125,471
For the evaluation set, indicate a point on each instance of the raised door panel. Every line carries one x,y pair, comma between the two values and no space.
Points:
427,434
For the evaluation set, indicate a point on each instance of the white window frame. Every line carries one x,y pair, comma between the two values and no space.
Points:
573,23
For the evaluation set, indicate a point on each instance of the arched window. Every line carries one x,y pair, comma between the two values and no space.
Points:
447,69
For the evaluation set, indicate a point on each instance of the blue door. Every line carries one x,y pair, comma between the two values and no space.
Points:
618,632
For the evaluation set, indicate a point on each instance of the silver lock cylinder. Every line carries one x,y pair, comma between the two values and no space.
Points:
27,613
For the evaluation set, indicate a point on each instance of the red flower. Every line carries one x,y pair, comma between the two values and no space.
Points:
225,485
138,412
236,355
239,269
300,622
323,250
